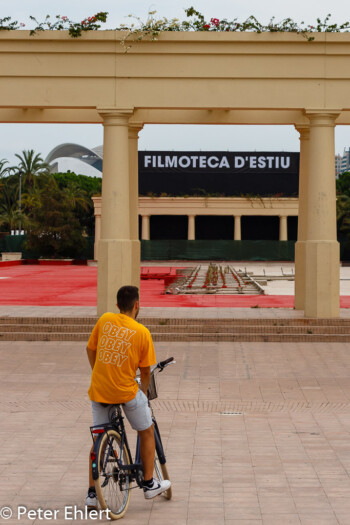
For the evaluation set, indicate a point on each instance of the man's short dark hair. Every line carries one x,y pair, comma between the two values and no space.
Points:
126,298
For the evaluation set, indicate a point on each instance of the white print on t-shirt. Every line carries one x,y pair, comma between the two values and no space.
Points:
114,344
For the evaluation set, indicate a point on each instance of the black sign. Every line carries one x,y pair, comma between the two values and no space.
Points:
221,173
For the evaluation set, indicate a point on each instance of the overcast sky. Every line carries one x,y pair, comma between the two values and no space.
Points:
42,138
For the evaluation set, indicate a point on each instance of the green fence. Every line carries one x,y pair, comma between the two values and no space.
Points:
218,250
16,243
189,250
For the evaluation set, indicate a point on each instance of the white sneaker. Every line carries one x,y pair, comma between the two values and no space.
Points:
91,501
157,488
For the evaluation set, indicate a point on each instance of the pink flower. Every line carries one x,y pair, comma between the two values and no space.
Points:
64,18
215,21
206,26
22,25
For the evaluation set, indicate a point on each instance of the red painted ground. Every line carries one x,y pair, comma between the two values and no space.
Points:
76,286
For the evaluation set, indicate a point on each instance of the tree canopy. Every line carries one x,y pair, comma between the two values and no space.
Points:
53,229
343,184
55,210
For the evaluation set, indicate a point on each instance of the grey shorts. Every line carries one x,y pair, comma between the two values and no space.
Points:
137,412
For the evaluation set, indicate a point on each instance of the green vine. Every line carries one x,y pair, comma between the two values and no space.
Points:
197,22
137,29
59,23
6,24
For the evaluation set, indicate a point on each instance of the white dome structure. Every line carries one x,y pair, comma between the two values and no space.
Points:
76,158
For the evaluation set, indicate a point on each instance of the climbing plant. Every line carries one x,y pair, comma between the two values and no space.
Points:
137,29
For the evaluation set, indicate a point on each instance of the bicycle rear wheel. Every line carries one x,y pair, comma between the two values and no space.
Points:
113,484
161,473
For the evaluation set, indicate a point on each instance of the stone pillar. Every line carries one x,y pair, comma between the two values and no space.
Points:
97,213
237,233
145,234
300,246
116,253
97,235
283,228
134,130
191,234
322,249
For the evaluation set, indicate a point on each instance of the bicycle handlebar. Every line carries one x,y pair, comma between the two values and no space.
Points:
163,364
159,366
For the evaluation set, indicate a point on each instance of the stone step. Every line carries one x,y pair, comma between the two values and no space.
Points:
167,329
58,328
188,337
202,329
244,322
251,338
89,322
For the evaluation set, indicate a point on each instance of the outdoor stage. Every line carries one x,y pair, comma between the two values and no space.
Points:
56,285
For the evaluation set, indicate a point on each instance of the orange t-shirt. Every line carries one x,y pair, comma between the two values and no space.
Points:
122,345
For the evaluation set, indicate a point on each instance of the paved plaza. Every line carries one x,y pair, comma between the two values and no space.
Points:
255,434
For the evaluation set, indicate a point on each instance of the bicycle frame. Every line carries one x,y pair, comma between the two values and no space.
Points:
119,427
159,445
135,469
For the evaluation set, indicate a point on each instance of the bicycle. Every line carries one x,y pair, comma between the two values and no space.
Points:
113,469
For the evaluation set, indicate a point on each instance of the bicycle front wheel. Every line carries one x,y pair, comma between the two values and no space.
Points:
161,473
113,484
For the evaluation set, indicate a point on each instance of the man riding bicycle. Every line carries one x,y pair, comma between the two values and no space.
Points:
118,346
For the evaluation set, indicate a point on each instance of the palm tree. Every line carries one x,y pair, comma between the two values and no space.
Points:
3,172
32,198
30,165
9,212
76,196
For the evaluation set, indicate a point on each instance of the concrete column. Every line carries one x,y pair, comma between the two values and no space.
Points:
97,214
283,228
191,234
97,235
116,251
322,249
134,130
300,246
238,234
145,233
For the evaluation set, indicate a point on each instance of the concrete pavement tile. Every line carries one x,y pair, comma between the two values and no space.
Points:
277,503
206,513
312,504
243,513
243,522
169,520
322,519
280,519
